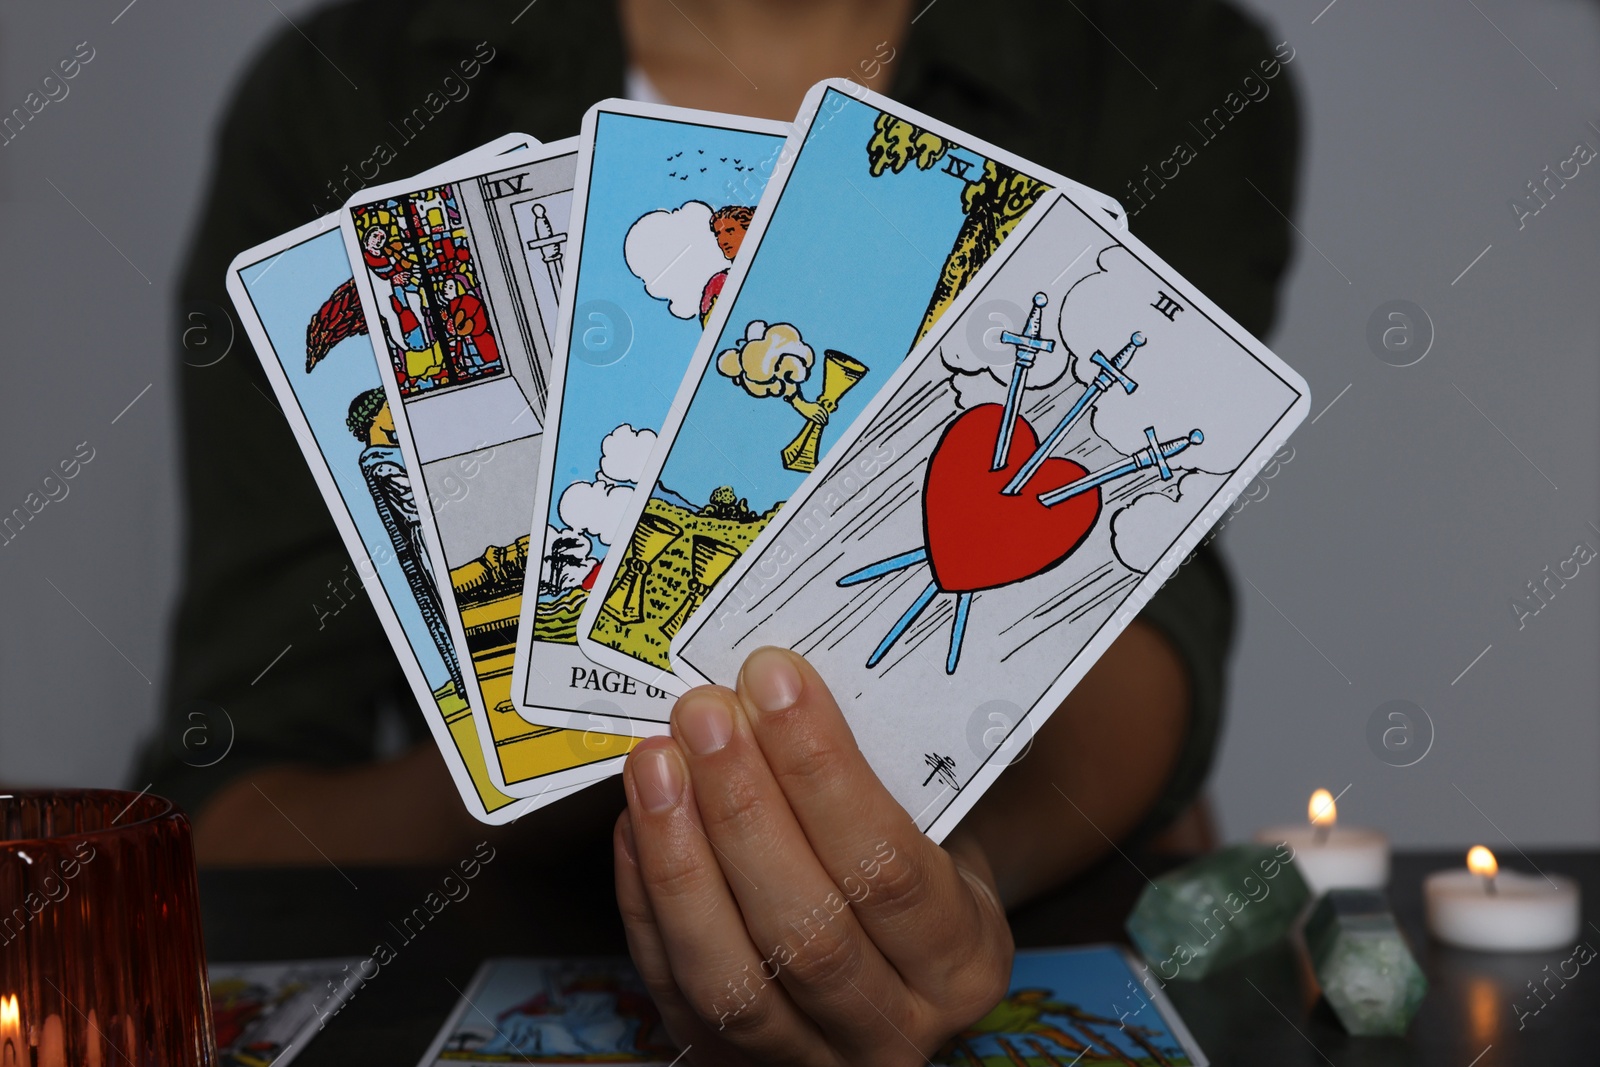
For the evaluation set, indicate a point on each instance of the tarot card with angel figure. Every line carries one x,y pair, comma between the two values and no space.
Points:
459,277
663,199
874,220
1022,486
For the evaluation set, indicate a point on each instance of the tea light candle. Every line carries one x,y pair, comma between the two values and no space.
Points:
1331,856
12,1050
1483,907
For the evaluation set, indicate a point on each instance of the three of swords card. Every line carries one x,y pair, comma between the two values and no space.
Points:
1023,484
874,221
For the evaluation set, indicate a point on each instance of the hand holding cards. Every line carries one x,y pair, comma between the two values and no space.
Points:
630,407
640,403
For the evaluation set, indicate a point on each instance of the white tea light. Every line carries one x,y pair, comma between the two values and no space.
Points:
1483,907
1331,856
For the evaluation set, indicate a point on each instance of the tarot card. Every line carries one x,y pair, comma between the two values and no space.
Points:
296,297
266,1012
872,224
1069,1005
578,1010
1006,505
459,276
663,198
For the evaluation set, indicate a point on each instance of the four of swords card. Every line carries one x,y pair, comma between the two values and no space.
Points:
1021,486
872,224
296,298
661,205
459,277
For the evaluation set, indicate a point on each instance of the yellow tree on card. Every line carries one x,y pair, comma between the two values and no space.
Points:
993,201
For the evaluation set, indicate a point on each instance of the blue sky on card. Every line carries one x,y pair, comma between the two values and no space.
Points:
640,165
851,261
286,291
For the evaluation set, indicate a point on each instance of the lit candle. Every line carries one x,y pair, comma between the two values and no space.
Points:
1483,907
1331,856
10,1032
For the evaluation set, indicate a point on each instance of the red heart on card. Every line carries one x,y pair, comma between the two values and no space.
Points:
978,538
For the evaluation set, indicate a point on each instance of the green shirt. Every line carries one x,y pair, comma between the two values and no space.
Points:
1180,110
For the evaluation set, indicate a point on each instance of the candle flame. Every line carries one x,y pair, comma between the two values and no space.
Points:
1481,861
1322,811
10,1021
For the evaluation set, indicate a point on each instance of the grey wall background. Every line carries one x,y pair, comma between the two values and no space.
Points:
1379,565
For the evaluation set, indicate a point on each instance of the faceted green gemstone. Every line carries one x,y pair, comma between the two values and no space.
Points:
1367,972
1216,910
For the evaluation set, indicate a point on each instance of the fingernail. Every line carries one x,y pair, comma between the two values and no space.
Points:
770,680
659,777
704,722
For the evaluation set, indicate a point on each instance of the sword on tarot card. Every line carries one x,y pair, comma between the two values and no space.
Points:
1156,455
1109,374
1029,343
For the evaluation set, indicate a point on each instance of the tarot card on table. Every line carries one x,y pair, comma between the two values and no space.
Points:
459,277
577,1010
296,297
662,201
265,1013
1006,505
871,226
1076,1005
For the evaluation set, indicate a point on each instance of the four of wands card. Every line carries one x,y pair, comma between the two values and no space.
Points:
1036,468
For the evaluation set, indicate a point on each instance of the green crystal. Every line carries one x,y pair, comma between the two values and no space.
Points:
1361,959
1217,910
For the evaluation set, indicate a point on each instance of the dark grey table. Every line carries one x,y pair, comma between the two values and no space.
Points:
1261,1011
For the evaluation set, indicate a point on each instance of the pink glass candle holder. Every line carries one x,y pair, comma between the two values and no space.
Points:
101,958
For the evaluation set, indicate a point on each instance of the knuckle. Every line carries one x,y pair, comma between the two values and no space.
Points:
979,984
827,957
661,986
674,877
900,887
808,759
733,805
984,990
635,911
746,1018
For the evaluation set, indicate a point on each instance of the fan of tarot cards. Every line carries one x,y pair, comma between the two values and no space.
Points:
598,418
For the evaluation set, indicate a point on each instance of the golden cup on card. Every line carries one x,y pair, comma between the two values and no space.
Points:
840,373
709,560
625,602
